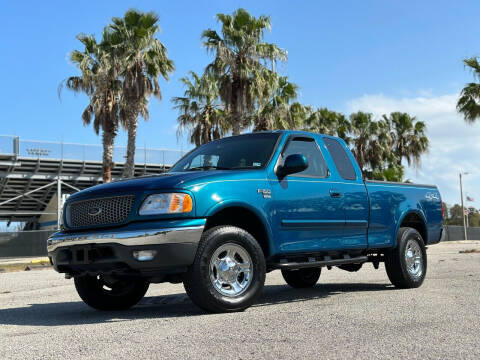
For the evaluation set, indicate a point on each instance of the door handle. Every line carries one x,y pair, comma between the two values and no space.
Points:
334,193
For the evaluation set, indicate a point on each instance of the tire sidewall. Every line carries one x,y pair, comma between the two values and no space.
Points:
238,236
90,291
412,234
302,278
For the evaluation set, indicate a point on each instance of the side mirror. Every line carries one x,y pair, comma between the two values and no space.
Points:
293,164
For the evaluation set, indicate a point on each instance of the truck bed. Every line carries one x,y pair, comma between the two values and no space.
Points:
392,200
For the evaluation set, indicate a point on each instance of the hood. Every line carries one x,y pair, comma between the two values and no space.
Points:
174,180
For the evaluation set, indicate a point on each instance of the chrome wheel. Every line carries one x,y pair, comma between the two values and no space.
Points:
414,259
231,269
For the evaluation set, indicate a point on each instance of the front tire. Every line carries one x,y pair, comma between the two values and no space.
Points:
228,272
301,278
104,293
406,265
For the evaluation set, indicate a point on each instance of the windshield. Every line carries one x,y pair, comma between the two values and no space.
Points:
250,151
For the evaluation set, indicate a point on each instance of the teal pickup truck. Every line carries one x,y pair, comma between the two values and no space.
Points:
234,209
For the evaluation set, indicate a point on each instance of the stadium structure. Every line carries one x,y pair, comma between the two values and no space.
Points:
37,176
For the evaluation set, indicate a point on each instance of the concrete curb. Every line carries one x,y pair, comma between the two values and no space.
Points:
40,261
11,265
459,242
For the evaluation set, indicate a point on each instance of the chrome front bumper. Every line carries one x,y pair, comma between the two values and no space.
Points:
175,235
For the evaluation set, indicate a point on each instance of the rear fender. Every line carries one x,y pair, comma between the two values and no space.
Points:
402,217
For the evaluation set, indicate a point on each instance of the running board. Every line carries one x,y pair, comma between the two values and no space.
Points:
326,262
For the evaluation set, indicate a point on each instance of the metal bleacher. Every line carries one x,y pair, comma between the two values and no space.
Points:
31,172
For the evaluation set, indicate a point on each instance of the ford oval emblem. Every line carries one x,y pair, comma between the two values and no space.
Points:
94,211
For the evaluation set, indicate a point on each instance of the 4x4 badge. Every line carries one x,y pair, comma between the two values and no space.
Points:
431,196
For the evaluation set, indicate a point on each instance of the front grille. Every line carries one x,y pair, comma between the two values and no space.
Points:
104,211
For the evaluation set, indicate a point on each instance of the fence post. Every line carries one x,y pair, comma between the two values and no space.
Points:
144,158
16,146
59,202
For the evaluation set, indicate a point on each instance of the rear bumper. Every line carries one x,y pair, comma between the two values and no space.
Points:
96,252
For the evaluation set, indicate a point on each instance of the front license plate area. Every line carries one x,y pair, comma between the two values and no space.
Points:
81,254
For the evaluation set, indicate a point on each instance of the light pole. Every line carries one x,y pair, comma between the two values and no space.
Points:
463,208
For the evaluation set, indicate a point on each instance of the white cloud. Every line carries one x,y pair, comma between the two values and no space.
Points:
454,145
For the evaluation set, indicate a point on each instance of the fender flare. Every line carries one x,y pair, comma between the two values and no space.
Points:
259,214
405,213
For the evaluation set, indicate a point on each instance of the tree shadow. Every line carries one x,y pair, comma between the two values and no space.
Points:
161,307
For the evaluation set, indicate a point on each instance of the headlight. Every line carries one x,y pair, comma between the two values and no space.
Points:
171,203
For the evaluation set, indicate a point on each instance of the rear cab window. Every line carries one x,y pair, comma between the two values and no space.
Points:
340,158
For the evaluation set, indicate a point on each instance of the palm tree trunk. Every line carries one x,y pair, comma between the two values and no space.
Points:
236,113
236,123
129,169
236,127
108,138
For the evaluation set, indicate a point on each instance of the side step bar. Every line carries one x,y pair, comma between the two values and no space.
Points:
326,262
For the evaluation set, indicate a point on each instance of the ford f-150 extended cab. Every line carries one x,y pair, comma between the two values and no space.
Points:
234,209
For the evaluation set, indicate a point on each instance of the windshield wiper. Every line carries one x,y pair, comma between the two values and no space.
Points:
200,168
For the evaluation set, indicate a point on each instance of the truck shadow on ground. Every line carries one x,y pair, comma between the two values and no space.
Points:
164,307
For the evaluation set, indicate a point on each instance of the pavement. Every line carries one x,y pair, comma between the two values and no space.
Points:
346,316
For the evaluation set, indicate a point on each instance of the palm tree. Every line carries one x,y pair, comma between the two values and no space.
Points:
240,55
200,111
99,81
469,102
275,109
408,137
325,121
143,59
370,141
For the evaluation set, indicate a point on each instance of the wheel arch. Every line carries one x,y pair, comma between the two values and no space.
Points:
246,217
414,219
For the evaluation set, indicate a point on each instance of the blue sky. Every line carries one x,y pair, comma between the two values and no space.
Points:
378,56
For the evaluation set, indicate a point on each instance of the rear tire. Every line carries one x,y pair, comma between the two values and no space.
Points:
351,267
301,278
107,294
406,265
228,273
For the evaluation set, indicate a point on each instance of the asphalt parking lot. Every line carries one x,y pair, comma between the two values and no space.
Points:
347,315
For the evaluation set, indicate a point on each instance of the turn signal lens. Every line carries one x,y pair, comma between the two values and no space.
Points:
168,203
187,204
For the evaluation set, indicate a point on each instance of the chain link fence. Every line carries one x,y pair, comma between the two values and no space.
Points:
454,232
24,243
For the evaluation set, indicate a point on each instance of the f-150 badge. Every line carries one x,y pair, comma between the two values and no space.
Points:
267,194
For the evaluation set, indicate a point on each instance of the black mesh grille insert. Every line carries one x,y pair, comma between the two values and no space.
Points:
104,211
